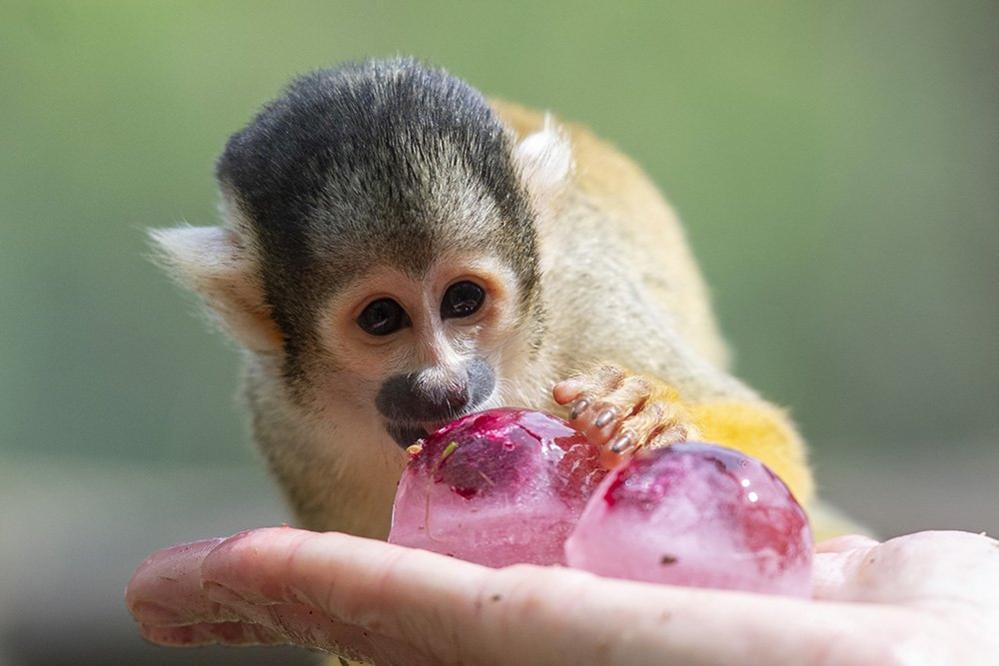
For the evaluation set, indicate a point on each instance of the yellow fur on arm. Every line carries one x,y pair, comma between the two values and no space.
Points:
762,431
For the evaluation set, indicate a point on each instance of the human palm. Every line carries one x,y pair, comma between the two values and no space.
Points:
930,597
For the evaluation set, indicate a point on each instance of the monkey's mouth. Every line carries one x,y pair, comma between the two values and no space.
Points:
406,434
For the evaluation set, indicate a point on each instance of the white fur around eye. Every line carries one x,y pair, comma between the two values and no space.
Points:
545,157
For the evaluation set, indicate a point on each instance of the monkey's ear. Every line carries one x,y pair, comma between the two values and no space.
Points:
545,159
215,263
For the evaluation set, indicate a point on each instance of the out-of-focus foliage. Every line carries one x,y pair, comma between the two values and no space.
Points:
835,164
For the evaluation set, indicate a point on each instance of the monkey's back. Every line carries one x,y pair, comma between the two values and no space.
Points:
613,206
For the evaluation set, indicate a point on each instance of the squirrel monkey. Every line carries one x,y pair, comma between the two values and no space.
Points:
396,251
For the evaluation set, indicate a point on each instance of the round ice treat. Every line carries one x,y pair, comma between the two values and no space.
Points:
497,488
698,515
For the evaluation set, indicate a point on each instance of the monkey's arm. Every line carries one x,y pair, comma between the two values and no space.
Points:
619,248
657,414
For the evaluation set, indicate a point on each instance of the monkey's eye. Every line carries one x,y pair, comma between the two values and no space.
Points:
462,299
382,317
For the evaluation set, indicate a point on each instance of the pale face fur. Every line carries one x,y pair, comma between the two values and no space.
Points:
438,350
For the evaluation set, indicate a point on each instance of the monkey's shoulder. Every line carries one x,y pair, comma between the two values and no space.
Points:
611,180
618,209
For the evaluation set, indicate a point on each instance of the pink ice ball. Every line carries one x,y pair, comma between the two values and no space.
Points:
697,515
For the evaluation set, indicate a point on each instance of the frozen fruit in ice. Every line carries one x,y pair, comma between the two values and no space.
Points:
699,515
497,488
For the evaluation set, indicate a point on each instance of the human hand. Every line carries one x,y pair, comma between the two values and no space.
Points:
930,597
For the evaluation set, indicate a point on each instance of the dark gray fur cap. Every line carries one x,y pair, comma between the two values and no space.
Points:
378,161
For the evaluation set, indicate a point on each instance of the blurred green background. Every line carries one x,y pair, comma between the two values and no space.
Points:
835,163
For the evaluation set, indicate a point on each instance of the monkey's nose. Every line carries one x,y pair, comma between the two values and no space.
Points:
411,399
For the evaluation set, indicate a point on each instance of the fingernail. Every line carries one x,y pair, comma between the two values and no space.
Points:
621,442
578,408
605,417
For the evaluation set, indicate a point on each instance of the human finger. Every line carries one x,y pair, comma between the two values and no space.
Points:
165,589
844,543
456,610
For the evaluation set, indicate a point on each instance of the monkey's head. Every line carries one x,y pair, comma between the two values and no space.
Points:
381,244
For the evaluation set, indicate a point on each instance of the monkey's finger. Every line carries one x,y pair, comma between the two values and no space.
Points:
567,390
612,417
674,434
598,421
591,412
630,395
594,383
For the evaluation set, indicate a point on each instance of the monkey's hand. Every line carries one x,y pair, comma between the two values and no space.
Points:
621,411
